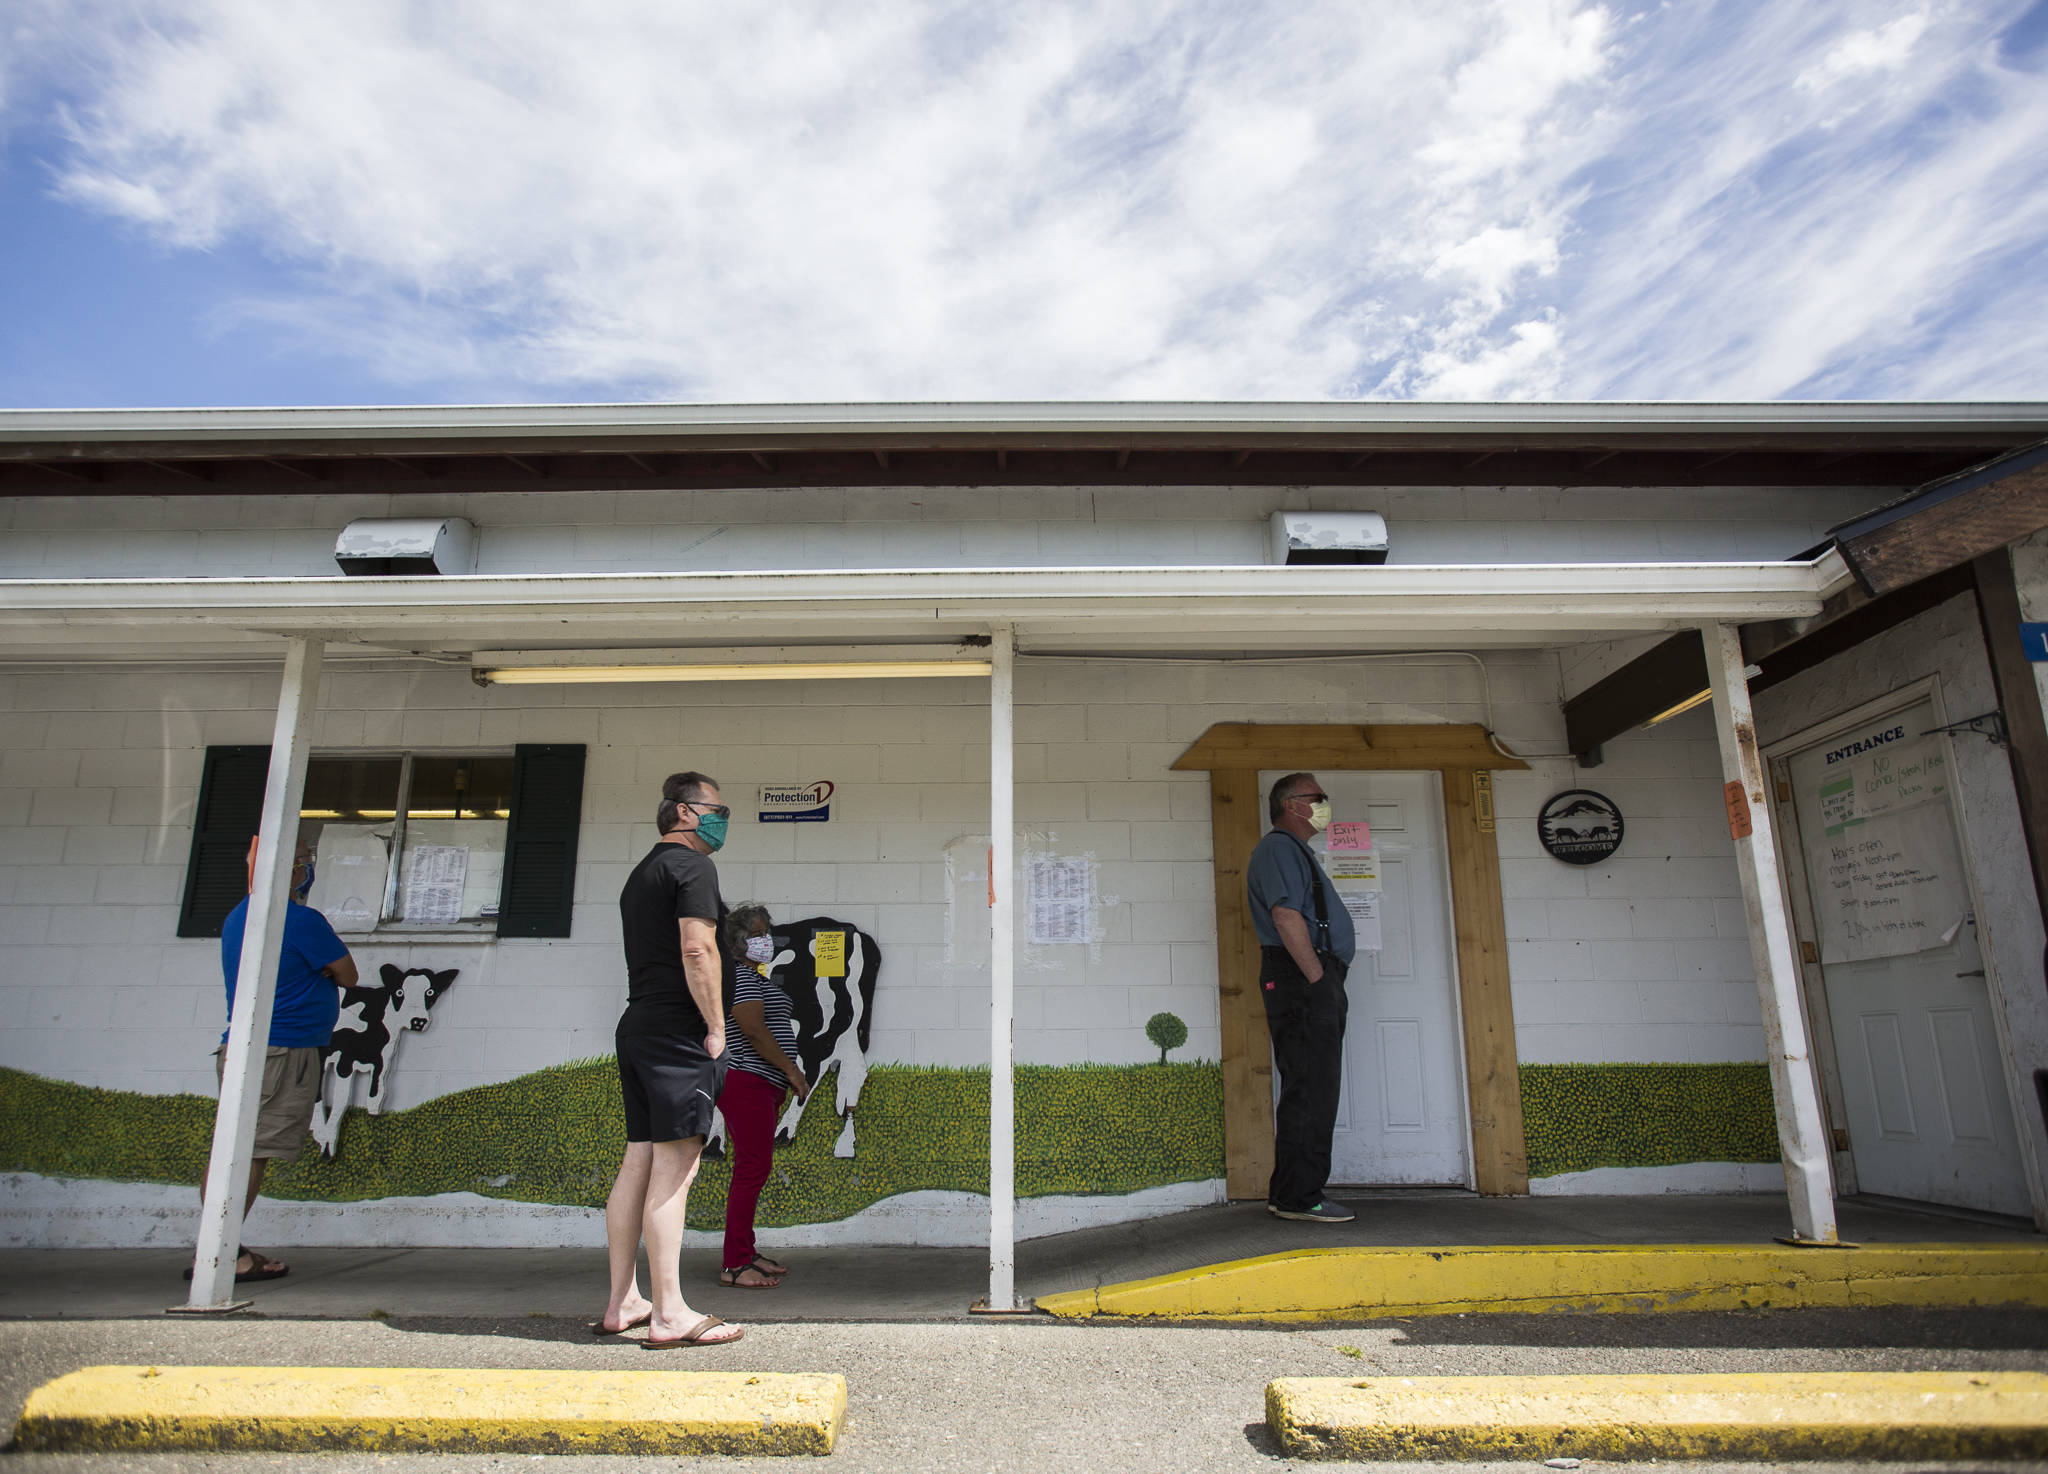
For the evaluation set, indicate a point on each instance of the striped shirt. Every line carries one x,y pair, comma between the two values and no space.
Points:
750,987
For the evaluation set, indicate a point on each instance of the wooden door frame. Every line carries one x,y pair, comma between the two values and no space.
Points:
1233,754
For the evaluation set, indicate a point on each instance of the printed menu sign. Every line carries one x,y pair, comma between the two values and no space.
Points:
1062,898
433,888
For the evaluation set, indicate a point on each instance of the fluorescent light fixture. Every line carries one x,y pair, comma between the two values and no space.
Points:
1684,706
1749,673
778,663
576,675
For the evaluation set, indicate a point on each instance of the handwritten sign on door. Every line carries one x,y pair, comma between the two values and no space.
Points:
1888,871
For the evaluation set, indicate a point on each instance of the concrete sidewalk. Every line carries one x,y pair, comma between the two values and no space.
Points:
911,1284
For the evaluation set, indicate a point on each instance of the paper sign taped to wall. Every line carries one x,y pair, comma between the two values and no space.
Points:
828,950
1364,907
1354,870
1353,834
1062,899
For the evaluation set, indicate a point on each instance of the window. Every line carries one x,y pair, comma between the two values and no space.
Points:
414,840
406,840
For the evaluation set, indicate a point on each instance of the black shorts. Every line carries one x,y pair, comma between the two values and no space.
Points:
670,1085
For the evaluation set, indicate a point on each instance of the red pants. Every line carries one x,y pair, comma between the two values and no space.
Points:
751,1105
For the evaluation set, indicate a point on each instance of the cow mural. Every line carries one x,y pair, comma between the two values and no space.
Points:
365,1041
832,1015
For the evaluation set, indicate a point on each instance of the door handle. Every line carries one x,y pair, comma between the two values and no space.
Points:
1973,973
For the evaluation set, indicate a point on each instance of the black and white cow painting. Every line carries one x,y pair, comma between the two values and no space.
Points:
832,1017
365,1040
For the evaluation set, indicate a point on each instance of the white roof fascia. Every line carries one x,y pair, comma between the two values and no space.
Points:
825,421
1561,597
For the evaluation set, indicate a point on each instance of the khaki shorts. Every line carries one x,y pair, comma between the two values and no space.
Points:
291,1088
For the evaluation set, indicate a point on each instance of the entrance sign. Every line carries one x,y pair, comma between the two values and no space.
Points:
1886,866
1580,827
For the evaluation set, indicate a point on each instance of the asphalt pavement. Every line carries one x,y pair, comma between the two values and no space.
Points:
933,1389
1011,1397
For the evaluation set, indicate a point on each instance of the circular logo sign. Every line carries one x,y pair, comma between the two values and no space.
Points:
1580,827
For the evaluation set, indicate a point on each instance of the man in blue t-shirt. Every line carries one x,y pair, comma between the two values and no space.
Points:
1306,945
312,968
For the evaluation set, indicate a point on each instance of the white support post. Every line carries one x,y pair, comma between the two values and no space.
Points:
241,1090
1002,908
1802,1134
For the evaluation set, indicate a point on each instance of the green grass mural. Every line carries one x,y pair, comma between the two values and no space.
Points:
554,1136
1577,1117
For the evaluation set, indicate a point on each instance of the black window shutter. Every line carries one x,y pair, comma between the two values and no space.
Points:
230,812
540,840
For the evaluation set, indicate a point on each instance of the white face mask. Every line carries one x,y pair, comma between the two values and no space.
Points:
760,949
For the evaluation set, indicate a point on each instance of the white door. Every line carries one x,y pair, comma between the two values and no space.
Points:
1916,1046
1401,1114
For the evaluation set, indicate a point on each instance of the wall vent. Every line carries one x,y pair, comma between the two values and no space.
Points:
384,546
1329,537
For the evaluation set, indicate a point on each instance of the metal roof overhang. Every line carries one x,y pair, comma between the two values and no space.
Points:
401,451
1129,610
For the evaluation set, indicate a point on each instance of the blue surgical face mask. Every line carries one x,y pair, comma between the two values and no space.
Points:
711,829
305,886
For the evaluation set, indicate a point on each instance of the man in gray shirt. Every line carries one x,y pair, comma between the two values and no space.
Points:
1305,949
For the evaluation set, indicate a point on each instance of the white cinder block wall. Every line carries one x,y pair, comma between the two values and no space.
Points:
1641,959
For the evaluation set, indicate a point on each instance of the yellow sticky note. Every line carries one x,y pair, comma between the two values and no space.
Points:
829,948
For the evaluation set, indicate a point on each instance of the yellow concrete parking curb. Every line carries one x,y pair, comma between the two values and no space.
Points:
1376,1283
1761,1416
390,1409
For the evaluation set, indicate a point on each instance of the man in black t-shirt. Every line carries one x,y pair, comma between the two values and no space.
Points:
671,1046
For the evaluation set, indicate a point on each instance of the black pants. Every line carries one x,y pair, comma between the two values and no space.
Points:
1306,1021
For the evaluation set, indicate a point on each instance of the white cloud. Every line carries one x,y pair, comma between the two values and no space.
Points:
1885,49
1156,198
1525,367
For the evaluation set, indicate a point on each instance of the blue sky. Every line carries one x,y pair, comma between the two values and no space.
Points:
289,202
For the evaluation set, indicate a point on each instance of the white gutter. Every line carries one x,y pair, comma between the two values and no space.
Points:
1654,595
797,423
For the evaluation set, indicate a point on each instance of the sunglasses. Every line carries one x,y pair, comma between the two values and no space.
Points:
721,810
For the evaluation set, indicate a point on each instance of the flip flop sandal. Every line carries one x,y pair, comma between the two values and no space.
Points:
730,1278
695,1336
597,1326
261,1267
767,1267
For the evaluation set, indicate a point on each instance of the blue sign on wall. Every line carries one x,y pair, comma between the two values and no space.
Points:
2034,638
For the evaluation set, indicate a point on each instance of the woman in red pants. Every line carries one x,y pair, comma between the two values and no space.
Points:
760,1052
